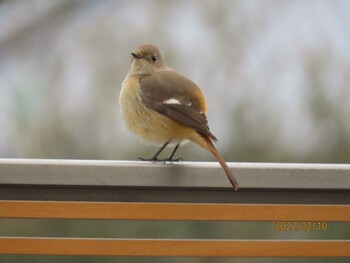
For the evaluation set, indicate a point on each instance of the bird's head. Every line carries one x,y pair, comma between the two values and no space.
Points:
147,59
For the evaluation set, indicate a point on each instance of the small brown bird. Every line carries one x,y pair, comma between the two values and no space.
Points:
163,107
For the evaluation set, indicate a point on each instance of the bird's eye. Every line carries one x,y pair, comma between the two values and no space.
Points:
154,58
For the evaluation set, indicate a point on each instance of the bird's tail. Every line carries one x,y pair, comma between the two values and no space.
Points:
211,148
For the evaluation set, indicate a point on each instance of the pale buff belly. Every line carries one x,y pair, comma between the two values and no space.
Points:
148,124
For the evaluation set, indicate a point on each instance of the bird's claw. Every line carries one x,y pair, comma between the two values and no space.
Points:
151,159
171,160
156,160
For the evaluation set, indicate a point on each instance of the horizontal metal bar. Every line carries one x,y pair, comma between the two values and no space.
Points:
169,211
171,247
172,195
131,181
183,174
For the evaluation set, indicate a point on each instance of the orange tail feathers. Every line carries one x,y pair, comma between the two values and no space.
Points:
210,147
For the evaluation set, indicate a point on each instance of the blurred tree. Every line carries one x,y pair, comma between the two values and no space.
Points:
276,75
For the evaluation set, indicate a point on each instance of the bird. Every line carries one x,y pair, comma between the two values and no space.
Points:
163,107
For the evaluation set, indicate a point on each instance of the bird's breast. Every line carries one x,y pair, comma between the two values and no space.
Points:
147,123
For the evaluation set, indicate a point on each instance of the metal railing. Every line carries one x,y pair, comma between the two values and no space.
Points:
114,190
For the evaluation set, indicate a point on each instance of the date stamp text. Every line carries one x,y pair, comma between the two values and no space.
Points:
301,226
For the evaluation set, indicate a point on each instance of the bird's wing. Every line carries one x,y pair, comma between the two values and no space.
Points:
176,97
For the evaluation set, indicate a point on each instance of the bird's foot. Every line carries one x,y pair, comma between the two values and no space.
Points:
171,160
156,160
151,159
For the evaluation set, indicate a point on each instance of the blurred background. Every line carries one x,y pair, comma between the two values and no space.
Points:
276,75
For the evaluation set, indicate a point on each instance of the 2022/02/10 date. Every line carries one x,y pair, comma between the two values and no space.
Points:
301,226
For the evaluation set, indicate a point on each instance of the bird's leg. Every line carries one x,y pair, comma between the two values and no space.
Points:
170,157
154,158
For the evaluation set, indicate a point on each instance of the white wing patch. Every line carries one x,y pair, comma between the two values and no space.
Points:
172,101
176,101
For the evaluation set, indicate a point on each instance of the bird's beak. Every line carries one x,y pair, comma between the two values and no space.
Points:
135,55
